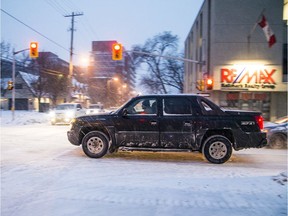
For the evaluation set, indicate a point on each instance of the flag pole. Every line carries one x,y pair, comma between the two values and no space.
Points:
253,29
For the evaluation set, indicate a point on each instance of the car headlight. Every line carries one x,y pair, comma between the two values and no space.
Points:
52,114
69,114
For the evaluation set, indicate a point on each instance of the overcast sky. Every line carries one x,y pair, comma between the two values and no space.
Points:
130,22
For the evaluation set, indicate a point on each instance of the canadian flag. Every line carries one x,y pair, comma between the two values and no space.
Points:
267,31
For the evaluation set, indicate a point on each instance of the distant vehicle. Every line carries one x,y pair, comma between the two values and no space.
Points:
64,113
169,123
282,120
95,108
277,133
111,109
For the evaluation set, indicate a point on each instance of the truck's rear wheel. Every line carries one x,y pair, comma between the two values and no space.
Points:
217,149
95,144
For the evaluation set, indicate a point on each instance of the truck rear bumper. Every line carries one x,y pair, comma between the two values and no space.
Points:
250,140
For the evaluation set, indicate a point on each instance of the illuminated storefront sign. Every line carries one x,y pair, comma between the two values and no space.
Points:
249,77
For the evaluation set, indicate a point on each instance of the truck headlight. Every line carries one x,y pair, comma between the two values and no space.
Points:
71,123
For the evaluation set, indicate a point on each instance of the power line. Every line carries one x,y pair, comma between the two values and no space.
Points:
34,30
61,6
52,4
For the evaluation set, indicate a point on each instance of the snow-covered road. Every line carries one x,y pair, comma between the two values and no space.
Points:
43,174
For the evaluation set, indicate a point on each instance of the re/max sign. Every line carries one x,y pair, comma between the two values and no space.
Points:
245,75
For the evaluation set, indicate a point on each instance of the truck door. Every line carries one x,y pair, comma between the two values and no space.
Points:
139,127
177,128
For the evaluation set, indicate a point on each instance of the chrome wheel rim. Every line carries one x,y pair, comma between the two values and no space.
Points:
218,150
95,145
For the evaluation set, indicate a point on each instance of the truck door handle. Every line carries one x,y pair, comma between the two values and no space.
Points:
187,124
153,122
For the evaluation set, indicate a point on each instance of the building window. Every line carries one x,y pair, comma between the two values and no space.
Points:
201,26
285,47
255,101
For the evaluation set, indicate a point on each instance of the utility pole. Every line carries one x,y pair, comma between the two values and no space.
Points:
71,54
13,81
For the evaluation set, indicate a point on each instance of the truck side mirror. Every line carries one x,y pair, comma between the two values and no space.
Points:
124,112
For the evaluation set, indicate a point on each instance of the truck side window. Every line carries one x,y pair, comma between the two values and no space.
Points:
208,110
206,106
176,106
146,106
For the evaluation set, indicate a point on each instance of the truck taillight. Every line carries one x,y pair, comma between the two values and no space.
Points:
260,122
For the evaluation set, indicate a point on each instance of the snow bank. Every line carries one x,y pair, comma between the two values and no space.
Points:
23,118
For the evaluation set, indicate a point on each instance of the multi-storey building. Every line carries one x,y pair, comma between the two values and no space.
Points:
232,50
110,82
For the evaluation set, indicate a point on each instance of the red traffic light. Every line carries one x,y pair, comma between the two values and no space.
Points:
33,49
117,47
117,51
209,84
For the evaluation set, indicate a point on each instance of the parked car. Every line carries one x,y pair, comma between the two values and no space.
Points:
169,123
276,122
282,120
95,108
64,113
277,133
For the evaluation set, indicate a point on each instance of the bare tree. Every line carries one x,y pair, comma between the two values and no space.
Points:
51,81
6,51
164,74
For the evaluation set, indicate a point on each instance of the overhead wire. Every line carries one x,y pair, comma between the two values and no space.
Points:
74,7
63,7
52,41
59,10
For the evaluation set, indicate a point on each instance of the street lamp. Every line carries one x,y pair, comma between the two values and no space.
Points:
109,81
123,91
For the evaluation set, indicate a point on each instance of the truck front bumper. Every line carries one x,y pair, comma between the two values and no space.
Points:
73,138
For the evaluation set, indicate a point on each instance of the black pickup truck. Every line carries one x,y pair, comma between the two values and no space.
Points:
169,123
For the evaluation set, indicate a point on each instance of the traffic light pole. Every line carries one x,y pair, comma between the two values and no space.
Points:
167,57
13,80
201,86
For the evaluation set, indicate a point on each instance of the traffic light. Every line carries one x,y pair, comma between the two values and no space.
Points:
117,51
200,85
10,85
209,84
34,49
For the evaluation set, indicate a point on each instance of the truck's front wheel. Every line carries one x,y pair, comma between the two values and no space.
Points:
95,144
217,149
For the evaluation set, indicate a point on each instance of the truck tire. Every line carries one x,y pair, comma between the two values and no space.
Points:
95,144
217,149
